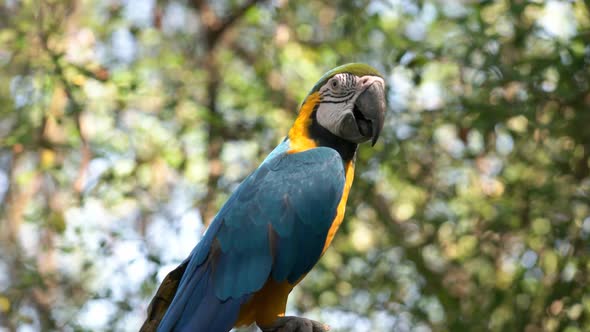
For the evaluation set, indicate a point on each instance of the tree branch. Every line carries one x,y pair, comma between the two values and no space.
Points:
216,28
218,32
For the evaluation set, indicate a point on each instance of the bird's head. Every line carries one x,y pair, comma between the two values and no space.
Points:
350,102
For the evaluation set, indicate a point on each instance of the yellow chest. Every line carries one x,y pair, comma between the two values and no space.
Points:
349,171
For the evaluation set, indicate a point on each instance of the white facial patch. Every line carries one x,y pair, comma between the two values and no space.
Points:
331,115
337,101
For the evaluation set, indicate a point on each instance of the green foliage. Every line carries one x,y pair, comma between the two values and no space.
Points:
126,124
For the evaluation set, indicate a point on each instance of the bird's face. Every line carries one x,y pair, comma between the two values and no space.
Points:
352,105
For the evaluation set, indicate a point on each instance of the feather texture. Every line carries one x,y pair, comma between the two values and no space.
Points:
273,226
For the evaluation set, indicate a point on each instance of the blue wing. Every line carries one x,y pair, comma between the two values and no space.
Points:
275,224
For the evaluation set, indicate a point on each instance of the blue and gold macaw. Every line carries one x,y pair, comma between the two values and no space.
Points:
280,220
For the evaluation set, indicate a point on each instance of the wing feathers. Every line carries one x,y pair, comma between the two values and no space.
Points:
275,224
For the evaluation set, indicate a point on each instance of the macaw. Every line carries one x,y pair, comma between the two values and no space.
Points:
280,220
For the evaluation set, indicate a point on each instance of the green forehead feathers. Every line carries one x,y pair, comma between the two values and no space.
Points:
357,69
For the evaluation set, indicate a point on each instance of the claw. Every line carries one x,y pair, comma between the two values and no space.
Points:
295,324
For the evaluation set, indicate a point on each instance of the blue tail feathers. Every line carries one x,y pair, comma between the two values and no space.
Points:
197,308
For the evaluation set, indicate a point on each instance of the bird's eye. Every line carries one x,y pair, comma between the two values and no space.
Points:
334,84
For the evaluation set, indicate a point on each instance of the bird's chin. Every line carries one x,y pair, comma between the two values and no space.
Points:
355,128
358,138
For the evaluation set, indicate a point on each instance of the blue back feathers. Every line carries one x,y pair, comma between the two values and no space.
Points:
274,225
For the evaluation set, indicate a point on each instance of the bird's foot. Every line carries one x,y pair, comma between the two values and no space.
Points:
295,324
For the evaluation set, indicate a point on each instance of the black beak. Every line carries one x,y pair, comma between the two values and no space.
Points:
371,103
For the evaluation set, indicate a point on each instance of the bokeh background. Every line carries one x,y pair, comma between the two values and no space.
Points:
124,125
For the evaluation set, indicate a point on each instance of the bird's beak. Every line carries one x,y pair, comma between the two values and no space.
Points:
371,104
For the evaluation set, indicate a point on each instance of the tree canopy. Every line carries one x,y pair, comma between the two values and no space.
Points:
125,125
